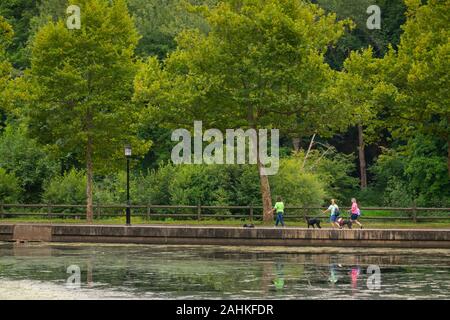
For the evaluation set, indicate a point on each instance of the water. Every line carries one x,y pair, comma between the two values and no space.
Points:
39,271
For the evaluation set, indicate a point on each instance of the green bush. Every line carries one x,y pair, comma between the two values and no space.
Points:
27,160
225,185
154,186
205,184
396,194
67,189
111,189
246,187
297,187
10,190
370,197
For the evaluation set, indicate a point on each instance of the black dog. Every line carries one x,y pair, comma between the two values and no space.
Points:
342,222
248,225
313,222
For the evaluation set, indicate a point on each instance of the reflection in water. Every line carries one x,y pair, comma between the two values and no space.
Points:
279,276
214,272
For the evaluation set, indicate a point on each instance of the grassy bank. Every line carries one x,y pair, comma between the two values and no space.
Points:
232,222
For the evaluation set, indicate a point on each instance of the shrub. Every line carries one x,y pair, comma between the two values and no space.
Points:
10,190
27,160
154,186
207,184
296,186
246,188
67,189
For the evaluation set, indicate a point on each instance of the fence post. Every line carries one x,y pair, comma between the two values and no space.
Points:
98,210
149,205
1,210
251,213
414,212
199,211
49,211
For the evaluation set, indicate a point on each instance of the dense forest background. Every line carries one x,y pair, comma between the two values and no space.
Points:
372,146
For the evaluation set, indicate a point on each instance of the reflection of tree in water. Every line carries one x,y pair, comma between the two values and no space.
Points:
266,276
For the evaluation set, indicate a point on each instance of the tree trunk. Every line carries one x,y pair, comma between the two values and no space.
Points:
265,187
296,143
362,158
89,178
265,194
263,179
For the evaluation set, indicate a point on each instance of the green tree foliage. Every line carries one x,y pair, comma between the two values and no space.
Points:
10,191
47,11
84,84
419,72
27,160
392,17
261,65
355,89
414,172
19,13
6,34
333,169
159,21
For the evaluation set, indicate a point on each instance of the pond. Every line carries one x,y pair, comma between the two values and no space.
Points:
95,271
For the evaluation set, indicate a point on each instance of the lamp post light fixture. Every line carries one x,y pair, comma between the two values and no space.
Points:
128,156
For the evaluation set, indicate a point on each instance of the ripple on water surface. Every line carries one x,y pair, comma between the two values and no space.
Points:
34,271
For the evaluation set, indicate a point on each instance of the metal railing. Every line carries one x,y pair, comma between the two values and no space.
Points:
199,212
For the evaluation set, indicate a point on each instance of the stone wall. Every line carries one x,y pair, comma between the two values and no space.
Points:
404,238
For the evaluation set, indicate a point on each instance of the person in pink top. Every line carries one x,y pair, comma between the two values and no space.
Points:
355,213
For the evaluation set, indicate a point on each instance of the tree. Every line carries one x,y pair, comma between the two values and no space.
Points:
354,89
19,14
261,65
6,35
83,82
159,21
418,73
392,17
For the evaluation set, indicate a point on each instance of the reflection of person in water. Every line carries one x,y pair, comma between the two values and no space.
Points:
333,278
354,274
279,277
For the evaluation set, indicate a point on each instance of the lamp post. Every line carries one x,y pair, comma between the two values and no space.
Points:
128,211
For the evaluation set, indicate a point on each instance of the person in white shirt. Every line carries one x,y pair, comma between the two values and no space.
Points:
334,210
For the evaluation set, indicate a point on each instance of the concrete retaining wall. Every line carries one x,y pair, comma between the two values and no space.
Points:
411,238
